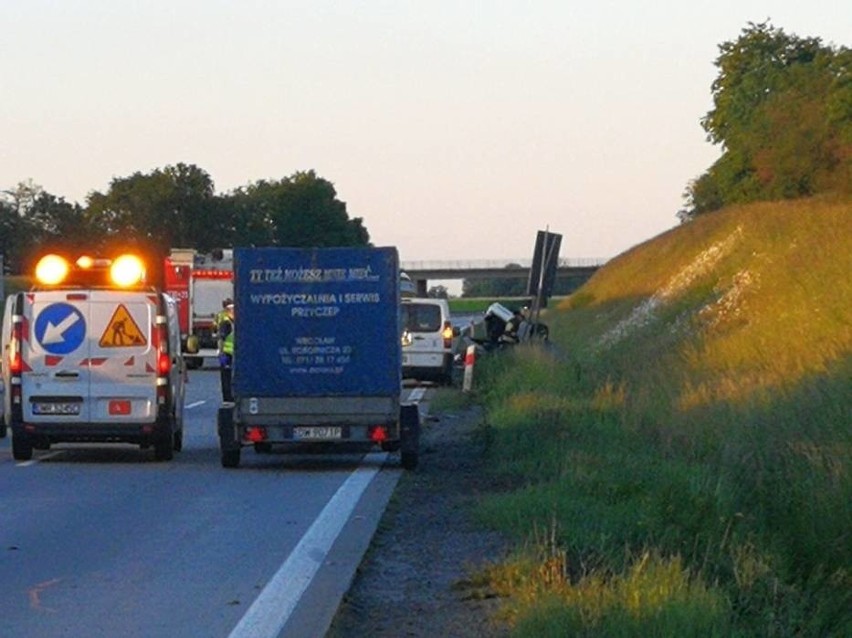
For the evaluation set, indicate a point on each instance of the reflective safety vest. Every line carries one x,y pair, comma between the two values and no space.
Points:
227,342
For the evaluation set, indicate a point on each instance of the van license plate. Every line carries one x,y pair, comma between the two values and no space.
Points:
317,432
56,409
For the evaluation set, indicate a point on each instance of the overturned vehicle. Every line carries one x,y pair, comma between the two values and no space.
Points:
502,327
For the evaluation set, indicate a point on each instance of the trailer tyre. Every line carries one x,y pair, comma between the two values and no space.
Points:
22,447
231,458
409,422
2,430
408,460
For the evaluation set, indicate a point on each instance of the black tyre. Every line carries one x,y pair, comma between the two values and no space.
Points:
22,447
178,443
3,430
408,460
164,447
231,458
193,363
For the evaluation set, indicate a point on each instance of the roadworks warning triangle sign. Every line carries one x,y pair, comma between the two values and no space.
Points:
122,331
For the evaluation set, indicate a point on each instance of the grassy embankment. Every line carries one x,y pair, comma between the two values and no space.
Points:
678,465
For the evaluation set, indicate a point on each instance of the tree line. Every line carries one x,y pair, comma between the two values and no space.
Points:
782,115
175,206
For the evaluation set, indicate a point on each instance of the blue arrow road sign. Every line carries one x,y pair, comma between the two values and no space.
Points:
60,328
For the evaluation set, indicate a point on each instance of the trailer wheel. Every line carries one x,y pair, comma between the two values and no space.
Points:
231,458
178,443
408,460
409,422
2,430
22,447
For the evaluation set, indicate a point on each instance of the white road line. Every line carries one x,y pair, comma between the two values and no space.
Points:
194,405
43,457
273,607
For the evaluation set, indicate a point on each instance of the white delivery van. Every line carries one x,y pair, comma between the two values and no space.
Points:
427,339
92,354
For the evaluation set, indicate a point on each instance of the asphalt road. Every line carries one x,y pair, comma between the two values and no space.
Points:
104,541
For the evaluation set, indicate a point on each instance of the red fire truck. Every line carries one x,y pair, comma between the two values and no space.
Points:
200,282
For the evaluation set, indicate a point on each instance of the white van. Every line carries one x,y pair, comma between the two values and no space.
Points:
86,359
427,339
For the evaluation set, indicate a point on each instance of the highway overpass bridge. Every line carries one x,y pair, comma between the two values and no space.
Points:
422,272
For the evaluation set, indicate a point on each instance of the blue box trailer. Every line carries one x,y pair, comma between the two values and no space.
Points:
317,353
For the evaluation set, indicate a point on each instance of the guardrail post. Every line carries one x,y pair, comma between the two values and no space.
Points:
469,359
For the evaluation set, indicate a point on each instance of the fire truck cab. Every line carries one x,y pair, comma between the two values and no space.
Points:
201,283
92,354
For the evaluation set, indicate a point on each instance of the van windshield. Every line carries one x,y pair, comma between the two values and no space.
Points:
421,317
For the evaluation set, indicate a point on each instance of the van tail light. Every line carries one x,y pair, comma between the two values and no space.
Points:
164,364
164,361
447,334
16,365
16,361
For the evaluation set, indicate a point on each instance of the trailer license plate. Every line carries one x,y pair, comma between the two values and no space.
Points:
317,432
56,409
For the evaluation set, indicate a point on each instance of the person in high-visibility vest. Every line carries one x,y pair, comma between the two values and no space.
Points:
222,315
226,352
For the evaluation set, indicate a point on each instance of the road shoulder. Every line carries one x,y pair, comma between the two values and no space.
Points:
412,581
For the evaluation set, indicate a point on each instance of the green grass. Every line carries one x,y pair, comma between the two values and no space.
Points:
694,415
465,305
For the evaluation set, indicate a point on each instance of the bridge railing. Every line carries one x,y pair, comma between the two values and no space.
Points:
491,264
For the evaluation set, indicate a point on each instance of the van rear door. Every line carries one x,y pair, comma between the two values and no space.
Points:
55,340
423,322
122,360
89,357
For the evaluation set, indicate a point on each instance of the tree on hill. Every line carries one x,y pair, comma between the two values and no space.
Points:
783,116
438,292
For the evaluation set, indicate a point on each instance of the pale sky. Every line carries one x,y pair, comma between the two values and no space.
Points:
456,130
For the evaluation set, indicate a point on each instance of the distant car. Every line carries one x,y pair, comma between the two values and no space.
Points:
427,339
